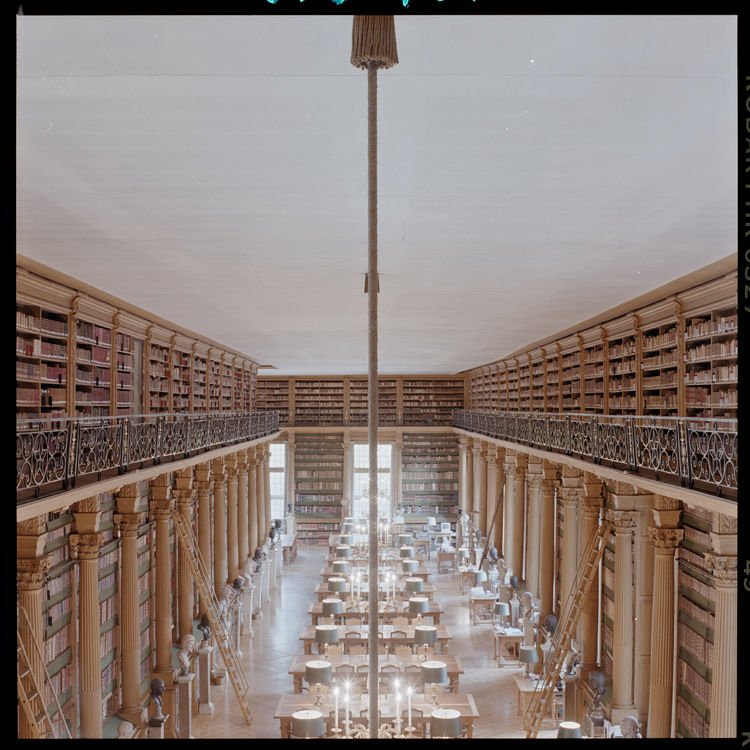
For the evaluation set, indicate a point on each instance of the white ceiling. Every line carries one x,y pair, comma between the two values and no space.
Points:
213,170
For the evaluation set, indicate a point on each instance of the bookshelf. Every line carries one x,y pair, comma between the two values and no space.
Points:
502,388
538,383
524,385
125,385
237,389
594,378
273,395
318,486
93,360
109,627
57,611
429,479
214,385
513,387
226,387
387,401
41,362
552,391
200,385
695,626
158,379
659,363
182,377
358,390
622,373
494,390
318,402
570,380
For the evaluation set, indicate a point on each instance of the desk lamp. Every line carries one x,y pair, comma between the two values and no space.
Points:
343,551
326,634
433,673
333,607
569,730
346,539
414,584
318,673
419,605
340,567
407,551
425,635
409,566
307,724
403,540
337,584
445,723
528,656
502,609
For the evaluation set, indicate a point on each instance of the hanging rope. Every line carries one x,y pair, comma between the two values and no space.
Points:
373,47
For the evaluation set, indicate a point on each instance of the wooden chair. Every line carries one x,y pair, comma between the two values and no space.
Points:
398,638
402,651
318,689
351,639
352,621
382,650
325,621
344,672
358,649
446,559
415,712
400,622
335,650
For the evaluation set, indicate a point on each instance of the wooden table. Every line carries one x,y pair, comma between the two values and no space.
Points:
483,604
290,704
467,578
453,663
421,572
424,544
288,548
524,689
315,610
321,589
308,635
509,637
358,562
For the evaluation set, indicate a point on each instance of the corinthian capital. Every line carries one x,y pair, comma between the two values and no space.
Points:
592,505
128,523
666,541
86,546
624,521
30,572
161,510
725,570
570,495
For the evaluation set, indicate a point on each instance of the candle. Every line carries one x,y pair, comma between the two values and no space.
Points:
398,713
408,692
336,709
346,713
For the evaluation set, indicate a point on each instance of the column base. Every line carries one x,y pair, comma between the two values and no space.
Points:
618,714
136,715
257,615
217,676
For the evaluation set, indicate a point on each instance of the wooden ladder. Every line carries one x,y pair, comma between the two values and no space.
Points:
32,699
543,694
219,626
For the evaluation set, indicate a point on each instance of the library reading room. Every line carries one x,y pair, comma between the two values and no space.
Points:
376,376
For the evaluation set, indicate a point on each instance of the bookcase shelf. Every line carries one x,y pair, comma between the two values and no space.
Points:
158,379
200,385
659,365
318,486
594,396
182,381
213,387
429,476
273,395
93,363
126,376
318,402
226,387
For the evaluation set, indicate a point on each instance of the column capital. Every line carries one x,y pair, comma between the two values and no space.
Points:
34,526
161,510
570,495
548,485
535,480
725,570
665,541
591,505
231,473
86,546
185,498
624,521
662,502
30,572
128,523
463,442
87,505
217,467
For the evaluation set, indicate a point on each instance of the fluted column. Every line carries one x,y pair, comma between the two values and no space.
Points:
233,554
260,483
497,534
267,481
348,473
532,546
665,542
242,517
252,500
591,505
398,472
492,488
519,517
86,548
724,696
547,545
510,508
185,496
476,453
469,496
569,542
481,519
204,488
463,468
624,523
128,525
219,480
29,582
290,473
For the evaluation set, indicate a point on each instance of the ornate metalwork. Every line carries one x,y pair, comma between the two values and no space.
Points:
49,451
689,449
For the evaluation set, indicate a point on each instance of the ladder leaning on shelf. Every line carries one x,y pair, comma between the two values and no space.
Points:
569,616
219,626
32,700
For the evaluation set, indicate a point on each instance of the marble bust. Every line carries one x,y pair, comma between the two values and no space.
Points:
629,728
157,690
185,654
526,604
125,731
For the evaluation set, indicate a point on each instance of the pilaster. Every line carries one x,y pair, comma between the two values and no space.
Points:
204,488
547,543
509,508
463,468
492,490
534,480
519,516
569,496
219,480
591,504
242,508
233,561
185,498
398,479
481,519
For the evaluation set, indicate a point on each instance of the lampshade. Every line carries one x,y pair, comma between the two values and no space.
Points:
434,672
340,566
569,730
409,566
343,551
528,655
351,519
419,604
326,634
332,606
502,608
445,722
413,584
407,552
403,540
431,522
319,672
441,539
479,576
307,724
425,634
463,553
347,528
337,584
346,539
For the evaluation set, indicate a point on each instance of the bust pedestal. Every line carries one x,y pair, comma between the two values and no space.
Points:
247,608
570,688
156,727
204,680
274,567
258,584
235,623
528,632
184,702
218,671
265,590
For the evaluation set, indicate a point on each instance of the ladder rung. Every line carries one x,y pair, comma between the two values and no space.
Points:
39,718
24,673
33,694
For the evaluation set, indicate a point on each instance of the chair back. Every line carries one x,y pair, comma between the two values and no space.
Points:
352,621
335,650
400,622
358,649
344,669
403,651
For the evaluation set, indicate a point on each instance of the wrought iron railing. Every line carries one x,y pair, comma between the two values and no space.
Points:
61,450
687,449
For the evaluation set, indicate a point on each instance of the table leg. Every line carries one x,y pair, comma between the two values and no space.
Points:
469,729
298,683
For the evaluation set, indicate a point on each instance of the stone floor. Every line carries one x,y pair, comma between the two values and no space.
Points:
267,657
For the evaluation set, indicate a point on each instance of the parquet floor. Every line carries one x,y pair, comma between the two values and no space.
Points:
267,656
